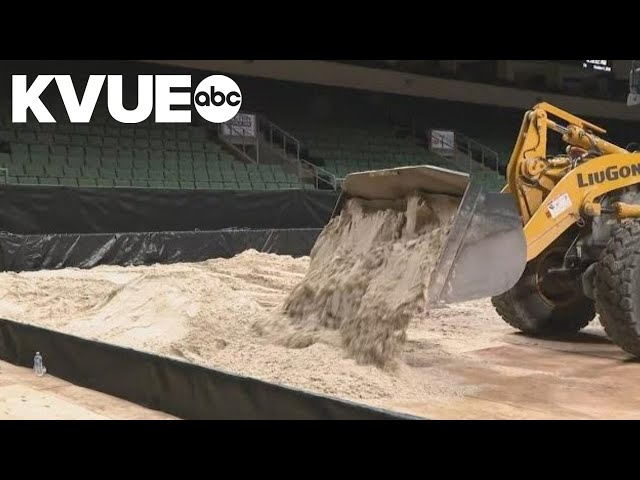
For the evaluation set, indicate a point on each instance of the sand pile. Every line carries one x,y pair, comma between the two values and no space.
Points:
369,273
227,314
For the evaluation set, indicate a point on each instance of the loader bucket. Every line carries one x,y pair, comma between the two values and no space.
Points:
485,252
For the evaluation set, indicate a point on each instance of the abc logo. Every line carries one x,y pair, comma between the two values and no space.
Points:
218,99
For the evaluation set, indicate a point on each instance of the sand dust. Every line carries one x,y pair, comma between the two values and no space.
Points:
369,273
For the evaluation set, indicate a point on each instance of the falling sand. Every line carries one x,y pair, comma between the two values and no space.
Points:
369,273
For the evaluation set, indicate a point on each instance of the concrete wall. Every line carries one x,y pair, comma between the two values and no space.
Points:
348,76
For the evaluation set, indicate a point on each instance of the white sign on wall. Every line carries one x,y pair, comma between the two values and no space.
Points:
242,125
442,140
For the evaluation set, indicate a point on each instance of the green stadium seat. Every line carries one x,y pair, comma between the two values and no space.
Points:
41,150
140,163
199,157
258,185
185,157
69,182
87,182
76,162
26,180
170,145
216,185
107,173
125,142
154,134
78,140
171,184
27,137
156,184
127,131
5,159
156,175
156,144
171,165
141,132
141,143
123,173
187,184
122,182
169,133
139,183
61,139
140,174
141,153
82,129
242,177
201,175
93,152
171,155
110,142
184,146
240,186
20,148
156,155
110,152
202,185
45,138
54,170
89,172
33,169
105,182
71,172
48,181
182,134
197,146
125,163
108,162
96,131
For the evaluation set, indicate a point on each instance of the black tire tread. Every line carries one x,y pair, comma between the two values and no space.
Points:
614,288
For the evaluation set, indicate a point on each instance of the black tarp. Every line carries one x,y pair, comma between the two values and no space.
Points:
54,251
41,209
182,389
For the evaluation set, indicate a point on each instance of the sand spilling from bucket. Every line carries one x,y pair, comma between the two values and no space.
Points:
369,274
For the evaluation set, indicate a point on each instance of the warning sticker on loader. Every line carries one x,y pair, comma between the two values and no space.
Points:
559,205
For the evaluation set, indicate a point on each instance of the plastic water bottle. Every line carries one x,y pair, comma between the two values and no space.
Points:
38,366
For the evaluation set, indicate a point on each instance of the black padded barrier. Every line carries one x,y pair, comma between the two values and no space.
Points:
45,210
185,390
54,251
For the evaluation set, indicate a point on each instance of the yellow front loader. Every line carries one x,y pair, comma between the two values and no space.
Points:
561,240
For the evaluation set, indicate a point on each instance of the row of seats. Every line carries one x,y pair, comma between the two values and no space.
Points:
63,140
181,184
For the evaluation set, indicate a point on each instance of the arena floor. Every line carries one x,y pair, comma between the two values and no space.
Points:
23,396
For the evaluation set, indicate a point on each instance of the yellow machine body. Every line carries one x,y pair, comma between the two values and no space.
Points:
555,192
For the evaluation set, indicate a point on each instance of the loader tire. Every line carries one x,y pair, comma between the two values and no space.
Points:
556,309
617,288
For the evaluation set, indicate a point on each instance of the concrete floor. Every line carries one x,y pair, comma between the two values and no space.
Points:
23,396
525,378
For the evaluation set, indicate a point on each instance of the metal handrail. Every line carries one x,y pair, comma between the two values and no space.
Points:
271,126
468,140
